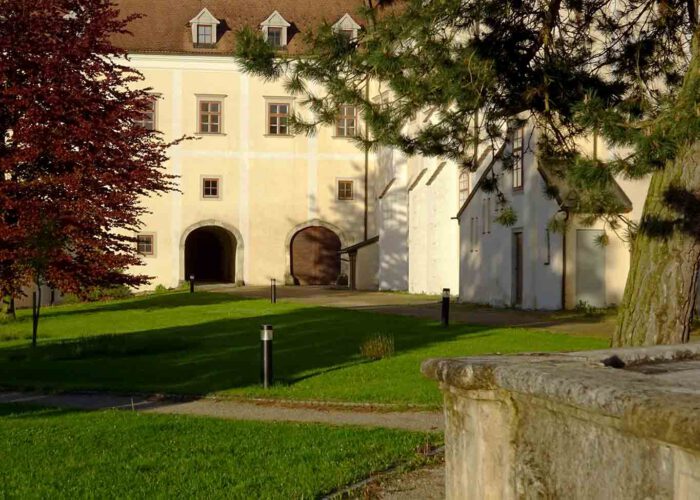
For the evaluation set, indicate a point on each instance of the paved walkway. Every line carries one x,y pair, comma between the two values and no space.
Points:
428,306
423,421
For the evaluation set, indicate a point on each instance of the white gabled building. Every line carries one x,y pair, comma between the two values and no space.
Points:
528,265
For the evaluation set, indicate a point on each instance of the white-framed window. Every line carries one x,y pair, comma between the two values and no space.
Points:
463,186
346,122
274,30
205,34
210,114
146,244
278,118
485,215
347,26
204,26
211,187
517,144
474,234
148,117
345,189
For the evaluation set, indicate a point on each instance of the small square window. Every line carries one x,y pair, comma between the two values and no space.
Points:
349,34
278,119
346,123
210,188
148,117
274,37
205,34
145,244
210,117
345,190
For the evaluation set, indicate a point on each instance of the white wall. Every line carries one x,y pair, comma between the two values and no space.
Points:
433,240
487,267
393,221
368,267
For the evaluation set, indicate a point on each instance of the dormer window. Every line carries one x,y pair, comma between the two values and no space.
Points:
347,26
275,30
204,34
204,27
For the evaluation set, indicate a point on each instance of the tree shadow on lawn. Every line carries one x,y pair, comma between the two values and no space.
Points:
216,355
168,300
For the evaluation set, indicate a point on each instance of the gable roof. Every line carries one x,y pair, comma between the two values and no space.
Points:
204,17
165,28
497,156
275,19
563,192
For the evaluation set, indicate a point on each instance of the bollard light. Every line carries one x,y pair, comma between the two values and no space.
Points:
273,291
191,283
266,334
445,316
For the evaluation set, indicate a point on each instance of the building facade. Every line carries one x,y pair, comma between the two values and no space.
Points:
255,202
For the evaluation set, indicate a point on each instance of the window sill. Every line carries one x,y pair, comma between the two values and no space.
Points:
345,199
209,134
288,136
334,136
518,190
210,198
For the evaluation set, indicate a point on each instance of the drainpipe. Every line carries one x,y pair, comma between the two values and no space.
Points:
366,167
565,215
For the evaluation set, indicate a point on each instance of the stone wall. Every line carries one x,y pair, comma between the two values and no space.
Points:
571,426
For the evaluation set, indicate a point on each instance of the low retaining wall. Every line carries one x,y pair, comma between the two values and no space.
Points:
617,424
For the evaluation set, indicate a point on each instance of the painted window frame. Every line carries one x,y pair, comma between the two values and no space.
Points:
277,101
517,144
203,187
463,186
152,237
154,120
209,36
341,122
210,99
339,189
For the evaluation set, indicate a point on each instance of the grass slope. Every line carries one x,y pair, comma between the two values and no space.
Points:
209,343
112,454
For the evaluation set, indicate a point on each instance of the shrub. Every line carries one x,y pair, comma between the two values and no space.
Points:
161,289
377,347
109,293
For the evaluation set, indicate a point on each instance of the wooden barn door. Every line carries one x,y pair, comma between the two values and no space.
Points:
315,257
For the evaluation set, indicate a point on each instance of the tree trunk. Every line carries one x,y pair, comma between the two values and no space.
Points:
659,299
661,286
36,308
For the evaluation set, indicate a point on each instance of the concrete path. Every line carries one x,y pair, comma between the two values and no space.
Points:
428,306
422,421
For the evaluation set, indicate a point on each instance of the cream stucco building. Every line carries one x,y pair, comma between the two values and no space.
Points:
255,202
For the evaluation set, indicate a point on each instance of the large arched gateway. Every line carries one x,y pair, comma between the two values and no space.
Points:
315,256
210,255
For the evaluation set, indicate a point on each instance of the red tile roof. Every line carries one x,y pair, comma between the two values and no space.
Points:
165,27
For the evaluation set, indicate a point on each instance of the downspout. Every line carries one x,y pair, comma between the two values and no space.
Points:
366,167
564,259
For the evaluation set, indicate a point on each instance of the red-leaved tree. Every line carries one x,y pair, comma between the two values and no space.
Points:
74,163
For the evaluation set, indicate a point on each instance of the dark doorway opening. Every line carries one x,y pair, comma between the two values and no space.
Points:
315,256
210,255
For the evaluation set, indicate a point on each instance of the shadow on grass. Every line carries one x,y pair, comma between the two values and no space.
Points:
168,300
215,355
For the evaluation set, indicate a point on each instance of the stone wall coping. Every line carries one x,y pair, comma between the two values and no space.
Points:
591,381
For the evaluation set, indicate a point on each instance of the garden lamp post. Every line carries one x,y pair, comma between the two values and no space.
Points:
266,334
445,316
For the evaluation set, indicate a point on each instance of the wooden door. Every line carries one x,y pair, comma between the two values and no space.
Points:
518,269
315,256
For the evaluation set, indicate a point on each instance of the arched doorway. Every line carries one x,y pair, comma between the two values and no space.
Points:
315,257
210,255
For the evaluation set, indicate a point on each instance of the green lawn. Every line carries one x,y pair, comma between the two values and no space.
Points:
209,343
117,454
